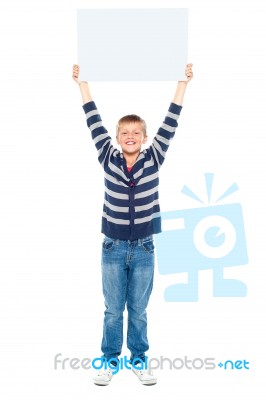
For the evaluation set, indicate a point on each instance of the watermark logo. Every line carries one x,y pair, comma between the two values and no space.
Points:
177,363
207,237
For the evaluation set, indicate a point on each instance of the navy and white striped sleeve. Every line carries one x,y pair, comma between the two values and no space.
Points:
165,134
99,134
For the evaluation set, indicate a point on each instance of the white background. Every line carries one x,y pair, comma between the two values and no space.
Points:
51,199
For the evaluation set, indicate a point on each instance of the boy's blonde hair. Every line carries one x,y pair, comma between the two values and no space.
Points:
127,119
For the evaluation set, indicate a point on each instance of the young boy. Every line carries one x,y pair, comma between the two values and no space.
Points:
131,215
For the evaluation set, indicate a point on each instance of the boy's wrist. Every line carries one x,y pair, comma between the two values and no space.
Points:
182,83
83,83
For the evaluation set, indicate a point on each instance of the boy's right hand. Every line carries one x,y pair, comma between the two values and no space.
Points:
75,75
83,85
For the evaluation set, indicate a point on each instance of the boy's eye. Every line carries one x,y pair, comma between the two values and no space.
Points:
126,133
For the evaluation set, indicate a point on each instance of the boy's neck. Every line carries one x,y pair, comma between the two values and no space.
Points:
130,159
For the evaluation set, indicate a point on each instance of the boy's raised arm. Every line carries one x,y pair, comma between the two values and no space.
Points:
99,134
83,85
167,130
182,85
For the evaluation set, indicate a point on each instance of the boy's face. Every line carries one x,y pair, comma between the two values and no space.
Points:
131,137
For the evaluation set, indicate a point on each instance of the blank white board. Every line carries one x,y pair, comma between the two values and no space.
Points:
132,44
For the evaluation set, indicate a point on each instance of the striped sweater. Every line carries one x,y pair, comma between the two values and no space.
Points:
131,204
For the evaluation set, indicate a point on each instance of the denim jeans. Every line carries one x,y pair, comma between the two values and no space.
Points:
127,279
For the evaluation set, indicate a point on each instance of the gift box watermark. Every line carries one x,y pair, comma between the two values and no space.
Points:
208,237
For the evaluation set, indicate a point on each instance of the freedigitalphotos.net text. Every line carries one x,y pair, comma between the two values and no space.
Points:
125,363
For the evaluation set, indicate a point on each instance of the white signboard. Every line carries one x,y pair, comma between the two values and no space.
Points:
132,44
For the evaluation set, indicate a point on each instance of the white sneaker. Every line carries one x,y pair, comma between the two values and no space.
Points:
103,378
145,376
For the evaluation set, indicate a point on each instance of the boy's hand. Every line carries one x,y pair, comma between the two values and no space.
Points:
75,74
181,86
188,73
83,85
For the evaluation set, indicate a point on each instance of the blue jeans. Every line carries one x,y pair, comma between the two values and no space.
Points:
127,279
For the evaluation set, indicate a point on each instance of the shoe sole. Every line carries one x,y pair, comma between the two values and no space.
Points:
101,383
149,383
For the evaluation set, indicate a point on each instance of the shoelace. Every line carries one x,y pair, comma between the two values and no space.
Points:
104,372
145,372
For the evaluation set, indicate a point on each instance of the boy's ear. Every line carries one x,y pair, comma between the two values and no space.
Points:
145,138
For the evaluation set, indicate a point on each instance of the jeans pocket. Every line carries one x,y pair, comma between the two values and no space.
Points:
148,245
108,244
